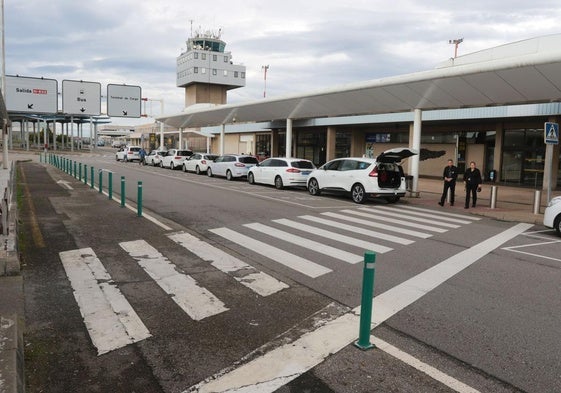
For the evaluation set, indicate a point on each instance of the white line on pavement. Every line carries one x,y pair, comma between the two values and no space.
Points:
285,363
432,372
195,300
334,236
304,266
109,318
307,243
259,282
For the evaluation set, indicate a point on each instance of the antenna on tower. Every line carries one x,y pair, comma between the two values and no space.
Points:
191,21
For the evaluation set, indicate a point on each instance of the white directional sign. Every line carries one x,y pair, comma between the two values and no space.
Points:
551,133
123,101
81,98
37,95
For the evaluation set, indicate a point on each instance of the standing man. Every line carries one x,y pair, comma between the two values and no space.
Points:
142,154
450,174
472,180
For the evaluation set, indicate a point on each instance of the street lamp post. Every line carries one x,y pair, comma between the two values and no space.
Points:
265,68
456,42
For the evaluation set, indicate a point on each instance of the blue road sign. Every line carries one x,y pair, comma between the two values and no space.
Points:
551,133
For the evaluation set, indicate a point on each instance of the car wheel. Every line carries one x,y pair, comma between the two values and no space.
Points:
278,183
557,225
209,172
229,175
358,194
197,170
250,178
313,187
171,166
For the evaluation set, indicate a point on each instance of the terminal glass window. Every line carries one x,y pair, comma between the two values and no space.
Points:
343,144
523,157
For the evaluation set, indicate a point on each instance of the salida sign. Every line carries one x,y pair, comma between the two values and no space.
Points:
36,95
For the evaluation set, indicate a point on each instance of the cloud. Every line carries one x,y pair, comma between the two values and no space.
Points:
307,45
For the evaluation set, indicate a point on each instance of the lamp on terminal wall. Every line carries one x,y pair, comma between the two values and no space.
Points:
456,42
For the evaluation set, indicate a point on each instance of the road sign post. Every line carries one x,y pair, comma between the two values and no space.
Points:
551,137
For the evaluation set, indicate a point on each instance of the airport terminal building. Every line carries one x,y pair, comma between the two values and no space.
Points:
489,107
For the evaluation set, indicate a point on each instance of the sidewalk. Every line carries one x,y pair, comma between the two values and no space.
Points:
513,204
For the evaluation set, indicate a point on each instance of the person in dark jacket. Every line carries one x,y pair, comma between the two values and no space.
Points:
449,174
472,181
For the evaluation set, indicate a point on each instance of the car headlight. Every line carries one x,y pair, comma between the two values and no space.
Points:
554,201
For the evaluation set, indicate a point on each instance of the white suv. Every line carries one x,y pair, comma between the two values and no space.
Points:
128,153
363,177
552,215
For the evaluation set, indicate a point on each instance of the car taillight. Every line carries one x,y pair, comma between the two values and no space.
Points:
373,172
178,157
130,152
293,170
239,164
203,162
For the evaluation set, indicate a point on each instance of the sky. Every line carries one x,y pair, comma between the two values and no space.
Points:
308,45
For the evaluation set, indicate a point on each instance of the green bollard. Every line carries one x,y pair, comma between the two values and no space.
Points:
139,200
100,180
92,177
75,166
85,174
110,184
122,191
80,172
366,302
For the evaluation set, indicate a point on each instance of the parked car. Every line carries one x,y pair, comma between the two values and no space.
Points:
118,144
154,157
281,172
128,153
198,162
231,166
552,215
363,177
174,158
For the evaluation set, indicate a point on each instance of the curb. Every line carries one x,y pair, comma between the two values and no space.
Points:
12,372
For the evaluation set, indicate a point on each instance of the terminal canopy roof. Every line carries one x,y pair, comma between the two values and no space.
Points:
523,72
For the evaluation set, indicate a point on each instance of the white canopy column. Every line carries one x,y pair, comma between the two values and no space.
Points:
288,138
222,137
415,142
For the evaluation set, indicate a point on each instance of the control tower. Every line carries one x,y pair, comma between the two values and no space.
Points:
206,71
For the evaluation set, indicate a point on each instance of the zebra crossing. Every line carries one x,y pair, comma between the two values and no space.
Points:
365,228
112,322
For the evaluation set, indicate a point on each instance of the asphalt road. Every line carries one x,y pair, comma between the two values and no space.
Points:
492,326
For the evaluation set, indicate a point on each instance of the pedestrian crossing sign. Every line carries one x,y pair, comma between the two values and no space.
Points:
551,133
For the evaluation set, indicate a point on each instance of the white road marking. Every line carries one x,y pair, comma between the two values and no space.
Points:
259,282
109,318
515,249
292,261
285,363
432,372
404,219
307,243
196,301
334,236
357,230
376,224
441,213
411,216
